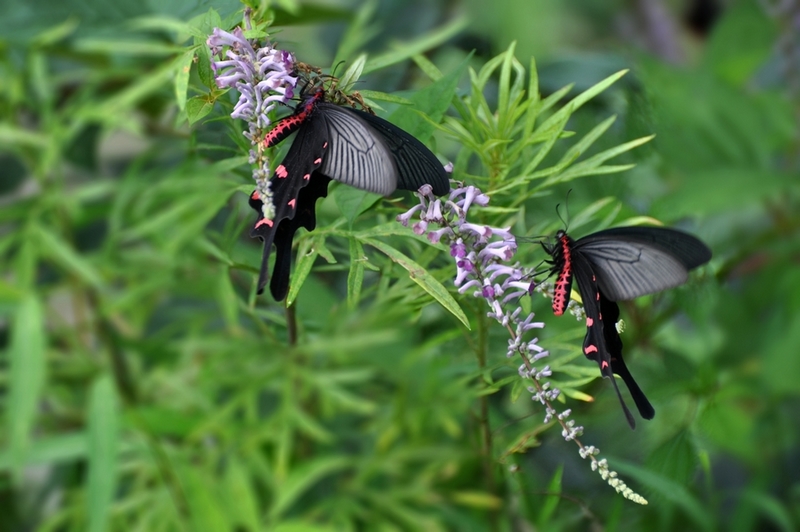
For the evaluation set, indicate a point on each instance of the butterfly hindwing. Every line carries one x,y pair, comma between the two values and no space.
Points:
594,343
610,312
357,156
295,172
416,165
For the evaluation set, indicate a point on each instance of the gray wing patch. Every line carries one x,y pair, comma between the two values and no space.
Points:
628,270
357,156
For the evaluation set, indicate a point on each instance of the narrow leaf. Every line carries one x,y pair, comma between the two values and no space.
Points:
406,50
419,275
306,256
356,276
26,377
103,441
183,66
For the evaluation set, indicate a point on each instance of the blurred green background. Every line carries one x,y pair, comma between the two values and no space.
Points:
144,386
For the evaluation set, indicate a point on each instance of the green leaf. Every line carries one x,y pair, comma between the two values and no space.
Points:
183,67
359,32
419,275
741,42
406,50
302,478
356,276
353,201
73,262
385,97
306,255
242,502
204,70
553,498
197,108
103,421
352,74
228,300
671,491
205,507
770,507
433,101
27,362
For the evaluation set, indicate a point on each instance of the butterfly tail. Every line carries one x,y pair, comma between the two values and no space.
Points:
618,366
279,283
608,373
610,311
263,274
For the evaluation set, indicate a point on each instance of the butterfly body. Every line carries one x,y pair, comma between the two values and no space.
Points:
333,143
613,265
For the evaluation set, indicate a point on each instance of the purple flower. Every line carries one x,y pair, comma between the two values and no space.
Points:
264,77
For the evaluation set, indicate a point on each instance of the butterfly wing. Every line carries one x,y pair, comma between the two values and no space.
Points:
356,155
635,261
294,201
415,164
609,310
594,343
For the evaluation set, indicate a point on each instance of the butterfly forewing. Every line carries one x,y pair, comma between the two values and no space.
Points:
632,262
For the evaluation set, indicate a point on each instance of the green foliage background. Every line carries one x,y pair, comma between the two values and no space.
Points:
144,386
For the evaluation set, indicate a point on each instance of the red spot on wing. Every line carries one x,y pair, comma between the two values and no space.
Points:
292,203
589,322
281,172
325,145
590,349
263,221
255,195
307,177
603,364
317,160
598,296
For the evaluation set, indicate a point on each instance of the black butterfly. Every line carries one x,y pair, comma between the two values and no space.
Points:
341,143
617,265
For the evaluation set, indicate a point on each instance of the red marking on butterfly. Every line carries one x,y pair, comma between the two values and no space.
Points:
589,322
263,221
307,177
292,203
590,349
317,160
325,145
281,171
561,294
255,195
603,365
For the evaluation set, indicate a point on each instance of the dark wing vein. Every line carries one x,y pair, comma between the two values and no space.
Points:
416,164
356,155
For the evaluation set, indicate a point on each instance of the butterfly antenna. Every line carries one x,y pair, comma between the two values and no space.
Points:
566,202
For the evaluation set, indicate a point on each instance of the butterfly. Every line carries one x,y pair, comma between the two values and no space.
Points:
340,143
613,265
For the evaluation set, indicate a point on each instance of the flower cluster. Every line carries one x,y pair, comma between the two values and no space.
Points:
264,76
481,254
